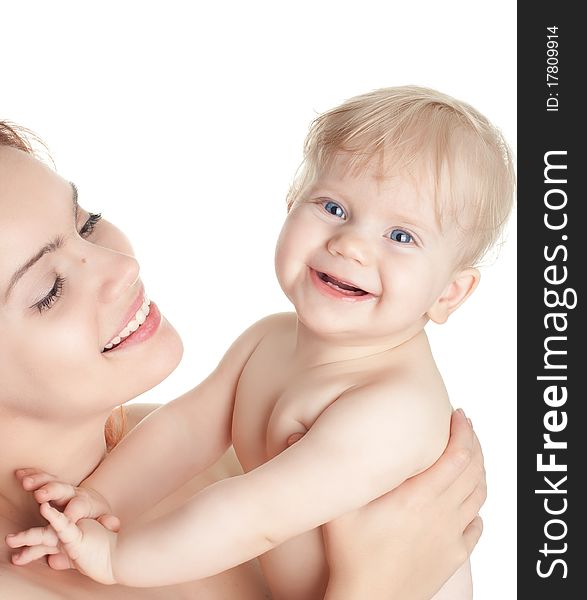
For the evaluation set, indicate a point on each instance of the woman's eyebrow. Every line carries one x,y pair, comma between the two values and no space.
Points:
53,245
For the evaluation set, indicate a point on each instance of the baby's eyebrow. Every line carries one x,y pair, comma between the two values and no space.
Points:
51,246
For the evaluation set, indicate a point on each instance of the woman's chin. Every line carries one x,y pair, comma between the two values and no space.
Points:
167,353
149,365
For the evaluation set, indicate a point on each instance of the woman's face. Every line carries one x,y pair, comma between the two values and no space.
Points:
57,317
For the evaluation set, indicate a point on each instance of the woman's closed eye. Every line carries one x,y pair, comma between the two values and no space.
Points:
57,290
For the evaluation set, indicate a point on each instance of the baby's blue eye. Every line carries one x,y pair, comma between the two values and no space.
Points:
334,209
399,235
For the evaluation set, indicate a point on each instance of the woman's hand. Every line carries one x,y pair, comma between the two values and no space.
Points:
406,544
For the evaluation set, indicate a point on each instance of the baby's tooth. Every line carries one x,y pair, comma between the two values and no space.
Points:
133,325
140,317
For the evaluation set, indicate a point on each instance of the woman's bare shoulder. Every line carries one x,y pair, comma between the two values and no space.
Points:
30,584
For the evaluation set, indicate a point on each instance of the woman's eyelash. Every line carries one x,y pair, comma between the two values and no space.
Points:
47,302
57,290
89,225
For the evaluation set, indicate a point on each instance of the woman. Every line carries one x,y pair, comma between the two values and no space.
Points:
67,280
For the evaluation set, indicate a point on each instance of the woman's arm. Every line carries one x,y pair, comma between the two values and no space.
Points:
409,542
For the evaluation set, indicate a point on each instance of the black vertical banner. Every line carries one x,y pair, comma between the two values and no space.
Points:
552,424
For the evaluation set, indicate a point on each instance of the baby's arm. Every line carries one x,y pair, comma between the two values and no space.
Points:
176,441
342,463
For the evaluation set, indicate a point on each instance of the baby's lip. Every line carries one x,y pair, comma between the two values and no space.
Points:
343,280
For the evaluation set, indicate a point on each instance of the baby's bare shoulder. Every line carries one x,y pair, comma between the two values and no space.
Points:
282,320
276,328
413,408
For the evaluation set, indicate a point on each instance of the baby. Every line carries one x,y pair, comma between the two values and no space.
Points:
401,192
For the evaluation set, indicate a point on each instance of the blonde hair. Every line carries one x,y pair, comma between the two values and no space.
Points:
411,127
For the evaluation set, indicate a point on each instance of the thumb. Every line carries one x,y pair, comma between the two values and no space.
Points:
111,522
60,562
80,507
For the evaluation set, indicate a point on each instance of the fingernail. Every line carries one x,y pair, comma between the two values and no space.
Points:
11,535
470,423
460,410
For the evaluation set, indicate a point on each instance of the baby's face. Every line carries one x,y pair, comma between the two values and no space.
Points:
364,256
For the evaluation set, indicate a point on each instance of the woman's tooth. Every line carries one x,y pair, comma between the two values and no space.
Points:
124,333
108,346
133,325
140,317
115,341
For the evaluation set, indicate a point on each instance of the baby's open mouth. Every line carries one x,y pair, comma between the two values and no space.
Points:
341,286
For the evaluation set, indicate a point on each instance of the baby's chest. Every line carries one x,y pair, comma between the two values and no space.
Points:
275,406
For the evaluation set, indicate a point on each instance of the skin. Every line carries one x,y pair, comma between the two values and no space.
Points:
101,281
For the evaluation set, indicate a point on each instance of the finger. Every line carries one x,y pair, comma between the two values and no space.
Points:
60,562
466,483
110,522
67,531
471,477
80,507
453,461
27,555
477,450
20,473
55,491
44,536
33,481
472,534
472,505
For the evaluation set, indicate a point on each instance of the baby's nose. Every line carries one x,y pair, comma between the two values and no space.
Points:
351,246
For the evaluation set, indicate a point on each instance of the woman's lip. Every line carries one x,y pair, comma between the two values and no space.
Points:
144,332
327,290
132,311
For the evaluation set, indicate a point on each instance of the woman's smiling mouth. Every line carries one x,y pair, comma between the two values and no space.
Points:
138,319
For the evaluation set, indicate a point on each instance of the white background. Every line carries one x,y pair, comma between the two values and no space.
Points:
184,125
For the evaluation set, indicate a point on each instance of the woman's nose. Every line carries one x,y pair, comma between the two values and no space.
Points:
350,245
118,272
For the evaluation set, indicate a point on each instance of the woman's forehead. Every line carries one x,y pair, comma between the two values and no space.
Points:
34,203
26,183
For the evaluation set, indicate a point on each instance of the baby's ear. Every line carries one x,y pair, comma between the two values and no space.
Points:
455,293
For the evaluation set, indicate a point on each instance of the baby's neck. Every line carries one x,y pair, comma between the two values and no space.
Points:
313,349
